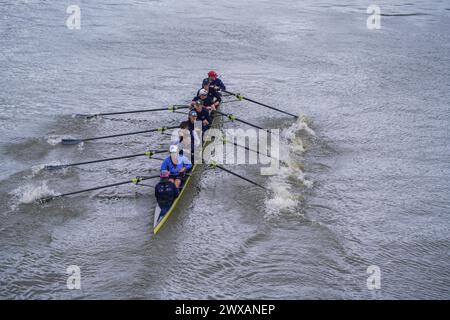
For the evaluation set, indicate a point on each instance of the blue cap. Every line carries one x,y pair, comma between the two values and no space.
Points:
193,113
205,82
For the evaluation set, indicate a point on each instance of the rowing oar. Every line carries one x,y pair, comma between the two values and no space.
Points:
240,97
232,117
134,180
215,165
230,101
77,141
225,141
171,108
147,154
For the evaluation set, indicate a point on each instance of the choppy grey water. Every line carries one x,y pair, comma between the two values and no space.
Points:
368,186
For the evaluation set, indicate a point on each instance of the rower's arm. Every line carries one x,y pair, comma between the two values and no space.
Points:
208,118
221,85
165,165
187,164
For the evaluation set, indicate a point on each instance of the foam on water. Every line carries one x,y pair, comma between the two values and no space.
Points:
297,145
36,169
286,194
80,146
281,200
29,193
286,191
301,125
54,140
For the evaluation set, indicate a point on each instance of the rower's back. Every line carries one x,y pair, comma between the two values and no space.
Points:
165,192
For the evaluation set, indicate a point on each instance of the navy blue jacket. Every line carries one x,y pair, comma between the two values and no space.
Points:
217,83
212,93
207,102
165,192
204,115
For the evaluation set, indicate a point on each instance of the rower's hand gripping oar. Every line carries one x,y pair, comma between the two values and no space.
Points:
171,108
240,97
135,180
77,141
62,166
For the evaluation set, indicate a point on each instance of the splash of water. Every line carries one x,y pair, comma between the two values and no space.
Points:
297,145
301,125
29,193
281,199
80,146
54,140
36,169
300,176
285,197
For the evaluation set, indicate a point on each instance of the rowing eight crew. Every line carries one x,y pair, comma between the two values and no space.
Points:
175,167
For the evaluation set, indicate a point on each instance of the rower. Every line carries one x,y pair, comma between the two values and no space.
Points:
203,115
209,102
165,192
177,165
182,137
191,120
211,92
194,131
214,82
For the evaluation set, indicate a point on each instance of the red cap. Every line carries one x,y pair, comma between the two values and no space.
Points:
212,73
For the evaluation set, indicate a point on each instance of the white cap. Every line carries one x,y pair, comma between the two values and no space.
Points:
203,92
173,148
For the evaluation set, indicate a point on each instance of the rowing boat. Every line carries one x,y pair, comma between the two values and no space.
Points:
158,220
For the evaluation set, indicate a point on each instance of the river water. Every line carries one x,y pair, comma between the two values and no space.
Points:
369,173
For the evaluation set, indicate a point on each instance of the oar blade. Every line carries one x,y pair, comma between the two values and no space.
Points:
84,116
55,167
71,141
45,200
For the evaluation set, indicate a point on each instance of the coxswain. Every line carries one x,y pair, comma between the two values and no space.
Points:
177,165
165,192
